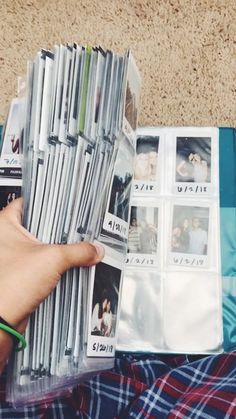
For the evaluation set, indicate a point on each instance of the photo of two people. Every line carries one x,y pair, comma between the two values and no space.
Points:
8,194
146,158
190,230
105,300
193,159
143,230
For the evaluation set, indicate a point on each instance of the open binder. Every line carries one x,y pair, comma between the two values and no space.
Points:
178,229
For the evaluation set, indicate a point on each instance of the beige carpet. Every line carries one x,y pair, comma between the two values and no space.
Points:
185,50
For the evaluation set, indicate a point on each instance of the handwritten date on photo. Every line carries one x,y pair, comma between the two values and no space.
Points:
116,227
188,261
101,347
144,187
134,260
196,189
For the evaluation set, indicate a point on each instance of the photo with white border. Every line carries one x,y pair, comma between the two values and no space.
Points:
149,161
117,213
190,235
104,304
144,234
192,161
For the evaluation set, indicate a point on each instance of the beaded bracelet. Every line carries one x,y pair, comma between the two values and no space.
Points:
17,338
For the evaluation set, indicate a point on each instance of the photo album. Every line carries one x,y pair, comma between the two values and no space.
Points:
151,196
172,291
71,132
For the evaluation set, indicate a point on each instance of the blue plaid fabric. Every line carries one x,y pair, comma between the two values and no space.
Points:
146,387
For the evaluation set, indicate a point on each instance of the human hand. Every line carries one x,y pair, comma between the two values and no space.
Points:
30,270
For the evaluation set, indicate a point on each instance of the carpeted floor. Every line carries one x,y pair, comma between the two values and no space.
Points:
185,49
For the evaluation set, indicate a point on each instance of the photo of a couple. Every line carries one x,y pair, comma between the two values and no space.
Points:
143,230
145,164
193,159
105,300
190,230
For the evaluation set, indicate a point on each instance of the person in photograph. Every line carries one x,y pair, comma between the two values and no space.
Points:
184,169
141,166
120,193
180,237
148,238
184,236
145,165
121,206
106,325
153,156
134,238
175,239
197,238
130,107
194,169
15,145
200,170
11,196
97,315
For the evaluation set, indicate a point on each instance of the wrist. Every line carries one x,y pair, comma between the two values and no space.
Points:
15,321
12,313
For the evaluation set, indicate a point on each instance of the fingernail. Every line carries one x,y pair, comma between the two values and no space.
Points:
100,250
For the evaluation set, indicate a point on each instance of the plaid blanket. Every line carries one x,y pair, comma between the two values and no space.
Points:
147,387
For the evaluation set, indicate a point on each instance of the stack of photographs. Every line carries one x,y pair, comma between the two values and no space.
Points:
78,151
172,273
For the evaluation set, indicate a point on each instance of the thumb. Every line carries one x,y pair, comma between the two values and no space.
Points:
66,256
14,210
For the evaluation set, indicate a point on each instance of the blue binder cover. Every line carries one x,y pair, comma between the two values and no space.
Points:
227,174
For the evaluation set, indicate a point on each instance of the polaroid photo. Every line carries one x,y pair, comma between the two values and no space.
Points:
144,234
195,168
65,95
84,90
60,54
94,112
73,113
37,101
104,304
46,101
9,191
132,95
91,96
101,106
189,238
116,220
12,133
11,152
147,163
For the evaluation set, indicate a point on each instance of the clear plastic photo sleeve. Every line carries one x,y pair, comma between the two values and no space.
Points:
149,162
193,234
192,156
192,313
141,318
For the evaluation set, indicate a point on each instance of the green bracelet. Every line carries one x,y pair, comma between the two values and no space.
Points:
14,334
